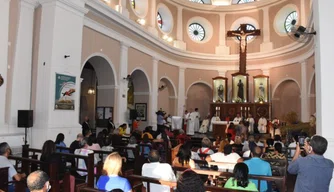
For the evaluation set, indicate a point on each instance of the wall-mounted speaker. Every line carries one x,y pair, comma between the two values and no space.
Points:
24,118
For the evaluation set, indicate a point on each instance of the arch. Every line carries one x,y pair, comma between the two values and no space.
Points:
171,82
310,83
280,82
146,75
200,82
105,57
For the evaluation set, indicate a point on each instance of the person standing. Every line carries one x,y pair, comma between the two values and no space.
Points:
237,119
111,126
251,122
262,125
191,123
197,118
314,172
185,120
85,126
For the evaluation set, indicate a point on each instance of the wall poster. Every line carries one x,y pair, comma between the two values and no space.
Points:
65,92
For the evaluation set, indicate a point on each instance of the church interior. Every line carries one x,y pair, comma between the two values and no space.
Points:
106,63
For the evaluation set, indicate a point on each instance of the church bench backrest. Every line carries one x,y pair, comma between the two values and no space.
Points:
4,178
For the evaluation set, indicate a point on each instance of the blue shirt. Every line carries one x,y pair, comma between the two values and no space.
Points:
258,166
314,173
160,120
113,182
61,144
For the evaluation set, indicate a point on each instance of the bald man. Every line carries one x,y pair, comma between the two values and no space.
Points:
257,166
38,181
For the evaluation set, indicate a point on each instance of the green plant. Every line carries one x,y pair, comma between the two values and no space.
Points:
291,118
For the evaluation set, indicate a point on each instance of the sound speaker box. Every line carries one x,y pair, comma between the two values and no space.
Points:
24,118
133,114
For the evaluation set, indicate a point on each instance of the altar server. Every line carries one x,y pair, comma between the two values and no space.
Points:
251,122
191,123
237,119
197,118
214,118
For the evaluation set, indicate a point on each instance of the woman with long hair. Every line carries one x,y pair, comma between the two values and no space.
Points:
60,143
183,158
111,170
240,180
49,156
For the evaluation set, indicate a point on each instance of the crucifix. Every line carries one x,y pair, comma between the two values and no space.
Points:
243,33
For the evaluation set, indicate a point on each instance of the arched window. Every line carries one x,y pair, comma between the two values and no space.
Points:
196,31
290,21
133,4
245,1
159,20
197,1
248,27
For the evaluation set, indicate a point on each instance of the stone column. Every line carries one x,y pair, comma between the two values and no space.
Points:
305,104
153,17
303,19
323,13
154,94
61,30
122,93
267,45
21,86
122,8
4,23
179,43
222,49
181,93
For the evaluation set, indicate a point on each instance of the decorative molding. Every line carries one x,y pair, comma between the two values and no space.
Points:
117,36
104,11
172,97
103,87
76,9
141,93
31,4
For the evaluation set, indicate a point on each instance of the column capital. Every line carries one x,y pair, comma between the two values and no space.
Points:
31,4
182,68
75,8
303,62
155,60
265,72
124,45
222,72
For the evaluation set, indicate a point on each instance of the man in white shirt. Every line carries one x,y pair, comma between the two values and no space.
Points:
157,170
237,119
227,157
5,151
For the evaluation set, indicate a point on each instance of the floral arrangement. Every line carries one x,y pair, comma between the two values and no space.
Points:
261,99
238,100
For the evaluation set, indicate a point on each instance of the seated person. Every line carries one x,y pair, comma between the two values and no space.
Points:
269,146
205,125
240,180
278,139
227,157
189,146
157,170
60,143
132,144
5,151
224,142
76,143
84,151
148,131
206,144
230,129
190,181
258,142
183,158
145,149
237,146
38,181
122,129
257,166
276,154
182,137
110,179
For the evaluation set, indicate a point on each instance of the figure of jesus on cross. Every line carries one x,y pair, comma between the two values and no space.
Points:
243,33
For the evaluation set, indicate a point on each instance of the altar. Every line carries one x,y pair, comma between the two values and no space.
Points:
218,128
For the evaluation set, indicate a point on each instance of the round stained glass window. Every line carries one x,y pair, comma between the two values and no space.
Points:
197,1
196,32
159,20
245,1
290,21
248,27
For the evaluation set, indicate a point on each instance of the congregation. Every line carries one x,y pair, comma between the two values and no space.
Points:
174,156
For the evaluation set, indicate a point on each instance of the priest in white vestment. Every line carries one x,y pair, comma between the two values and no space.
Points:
214,118
191,123
262,125
251,123
197,118
185,120
205,125
274,128
237,119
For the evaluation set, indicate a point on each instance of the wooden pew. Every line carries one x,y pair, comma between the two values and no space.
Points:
26,164
281,180
4,178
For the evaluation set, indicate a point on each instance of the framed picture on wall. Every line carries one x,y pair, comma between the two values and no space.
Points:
261,89
219,91
141,109
239,88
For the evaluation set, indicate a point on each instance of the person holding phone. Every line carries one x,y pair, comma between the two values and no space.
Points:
314,171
